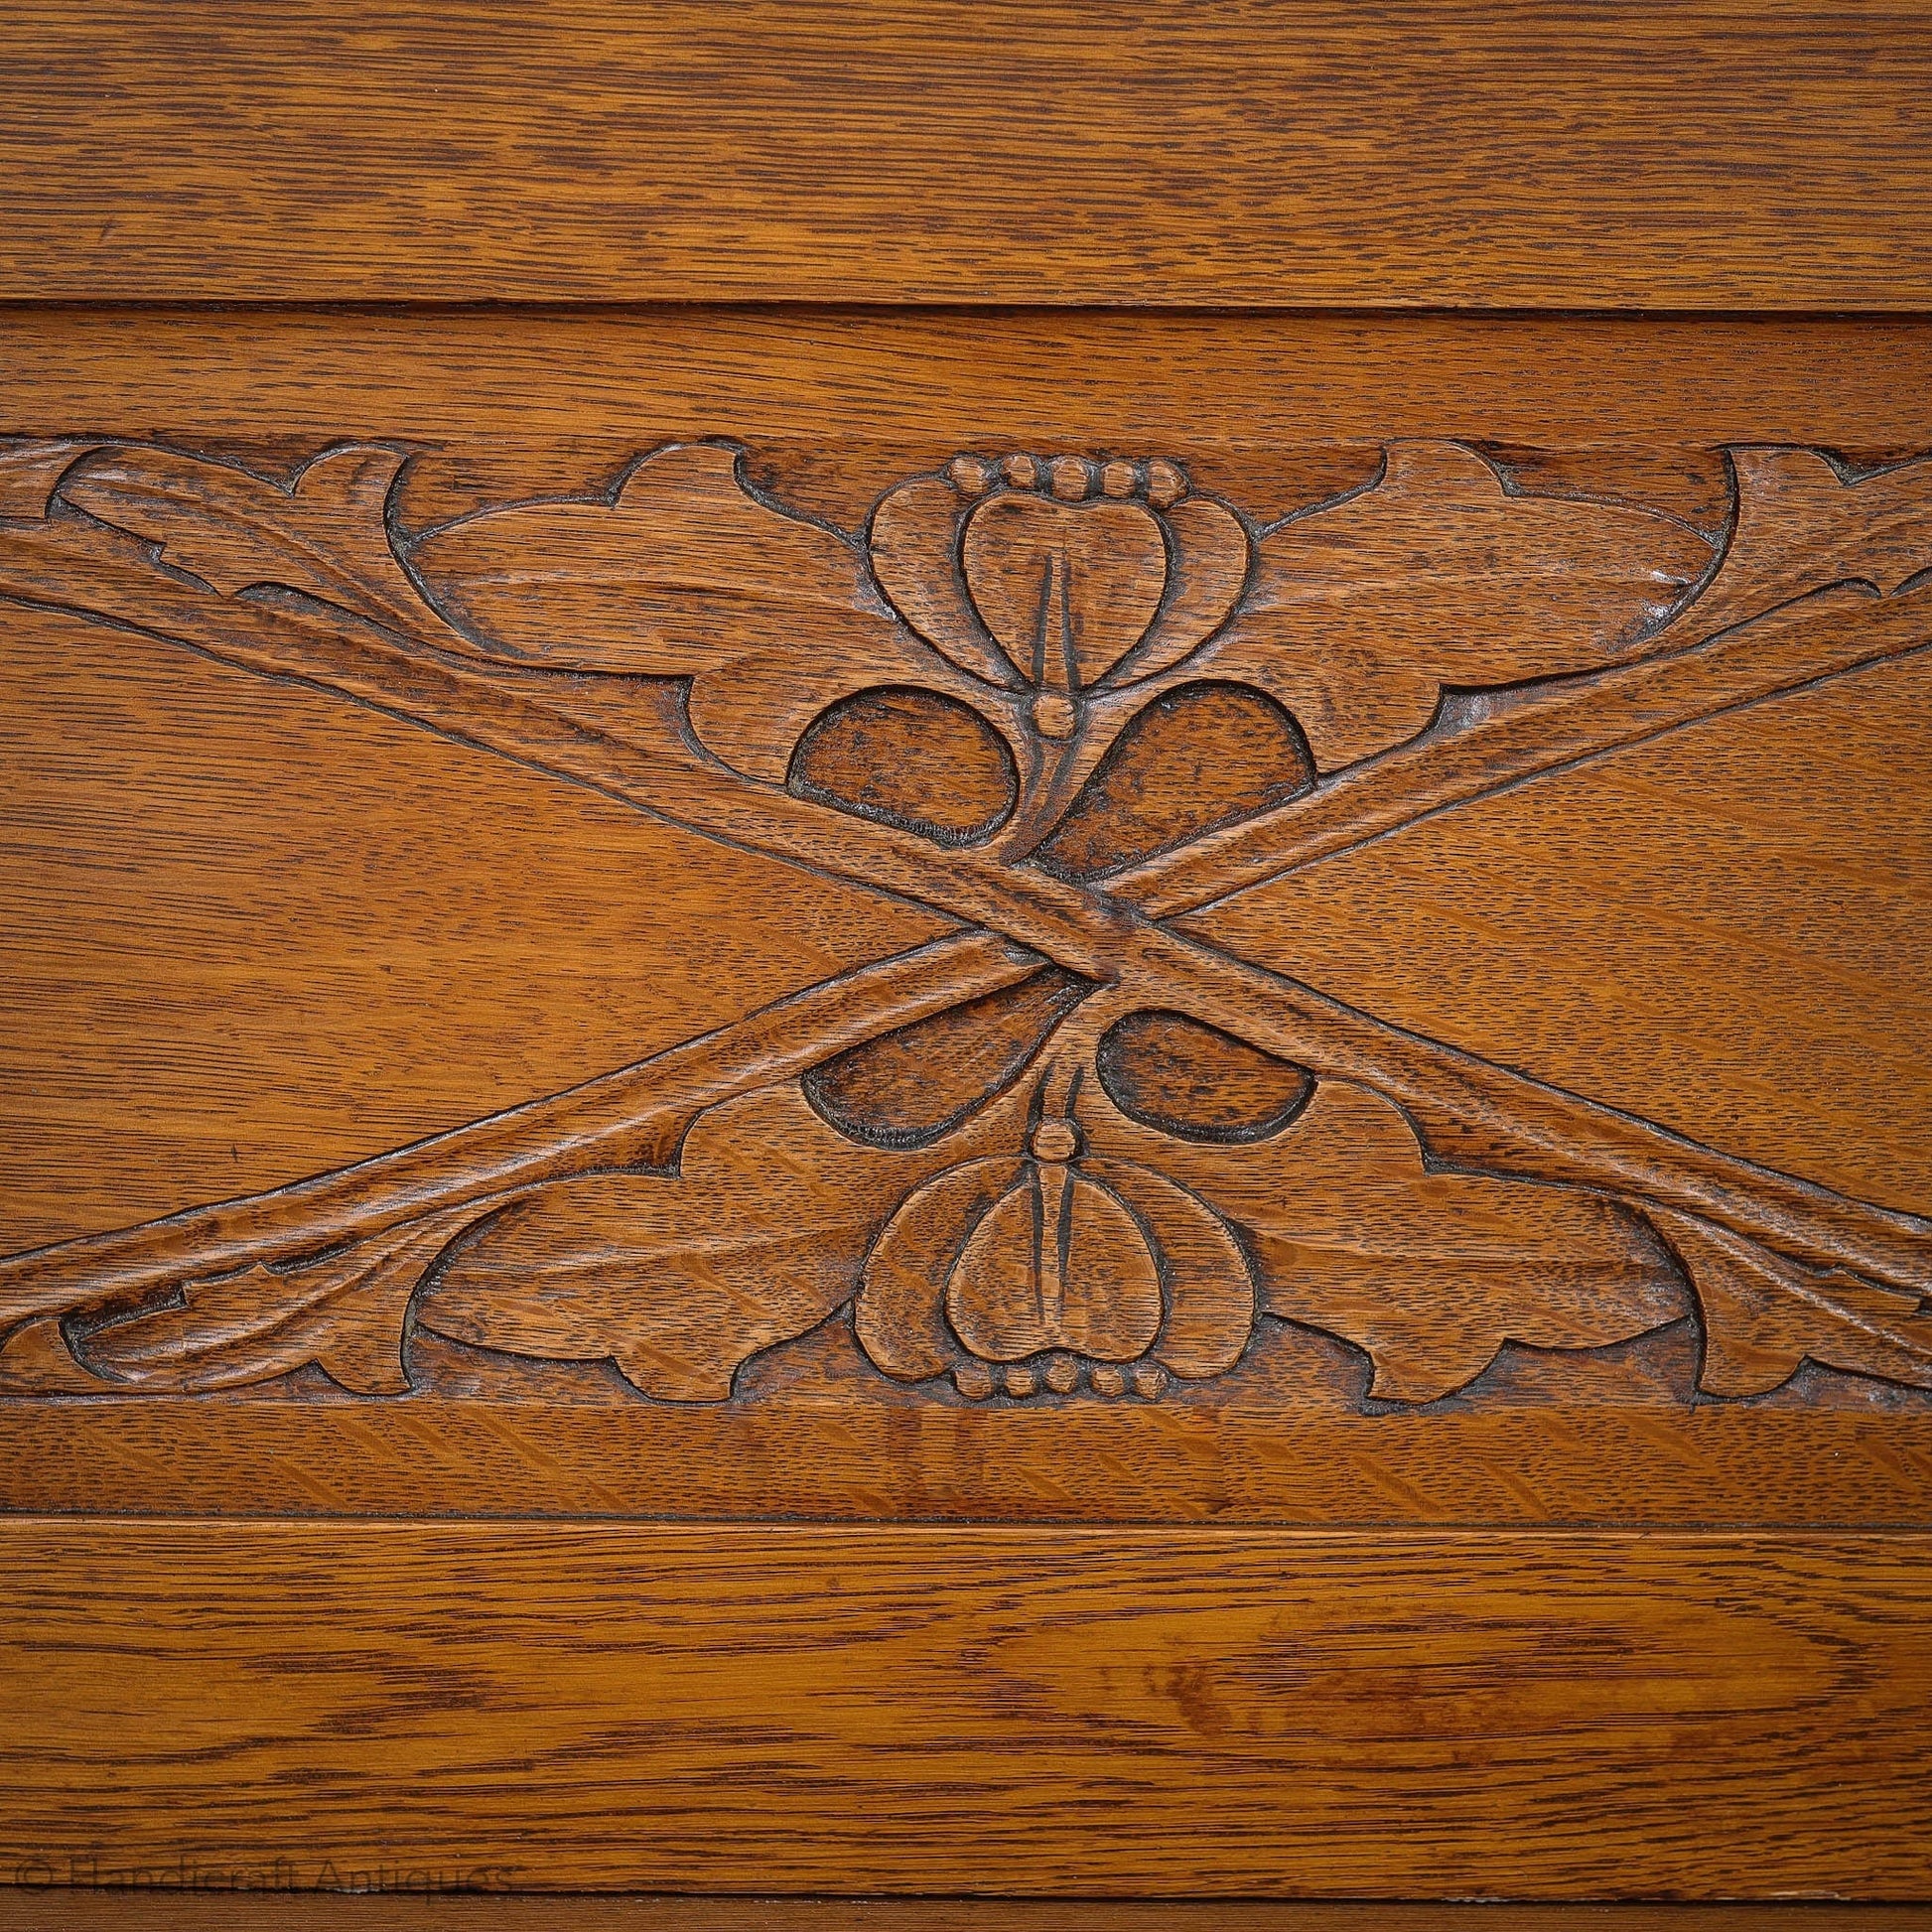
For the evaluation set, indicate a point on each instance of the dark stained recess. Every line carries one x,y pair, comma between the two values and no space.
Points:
1198,756
906,1089
908,757
1172,1074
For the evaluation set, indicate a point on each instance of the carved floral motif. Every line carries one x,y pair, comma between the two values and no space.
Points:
1076,1151
1070,577
1058,1270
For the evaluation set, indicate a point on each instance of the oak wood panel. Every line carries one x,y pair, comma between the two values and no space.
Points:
1307,1283
335,823
1582,932
1174,1714
1530,155
683,572
1272,411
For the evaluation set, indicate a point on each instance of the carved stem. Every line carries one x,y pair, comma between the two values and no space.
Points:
1523,733
1491,1116
1485,1116
526,715
629,1118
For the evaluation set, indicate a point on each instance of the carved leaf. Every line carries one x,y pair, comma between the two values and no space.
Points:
1765,1316
1800,526
679,1279
343,1314
1429,1274
908,758
1197,757
324,533
910,1086
1360,613
28,472
35,1360
681,573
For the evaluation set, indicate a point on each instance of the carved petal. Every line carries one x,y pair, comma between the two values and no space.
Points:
1210,1293
910,1086
897,1317
1110,1289
993,1292
1056,1263
908,758
914,556
678,1279
1067,589
1209,567
1764,1316
1429,1274
1179,1076
1360,613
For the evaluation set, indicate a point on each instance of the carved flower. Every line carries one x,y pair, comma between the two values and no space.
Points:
1051,1271
1062,579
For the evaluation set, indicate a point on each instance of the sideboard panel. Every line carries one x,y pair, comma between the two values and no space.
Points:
1072,1104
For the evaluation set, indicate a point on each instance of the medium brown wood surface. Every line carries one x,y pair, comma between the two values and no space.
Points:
1480,1115
1271,411
1021,934
33,1910
934,1711
1599,1441
1525,155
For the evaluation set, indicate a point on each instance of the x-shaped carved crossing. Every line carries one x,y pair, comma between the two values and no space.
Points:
1128,928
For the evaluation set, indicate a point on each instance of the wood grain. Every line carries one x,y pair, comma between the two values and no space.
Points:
338,934
1306,155
1114,723
1591,932
1059,602
920,1711
35,1909
1271,411
1611,1439
1187,1030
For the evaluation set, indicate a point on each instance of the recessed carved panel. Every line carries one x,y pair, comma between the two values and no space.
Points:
1171,1094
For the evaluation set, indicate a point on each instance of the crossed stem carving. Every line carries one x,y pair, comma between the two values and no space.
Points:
1128,930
